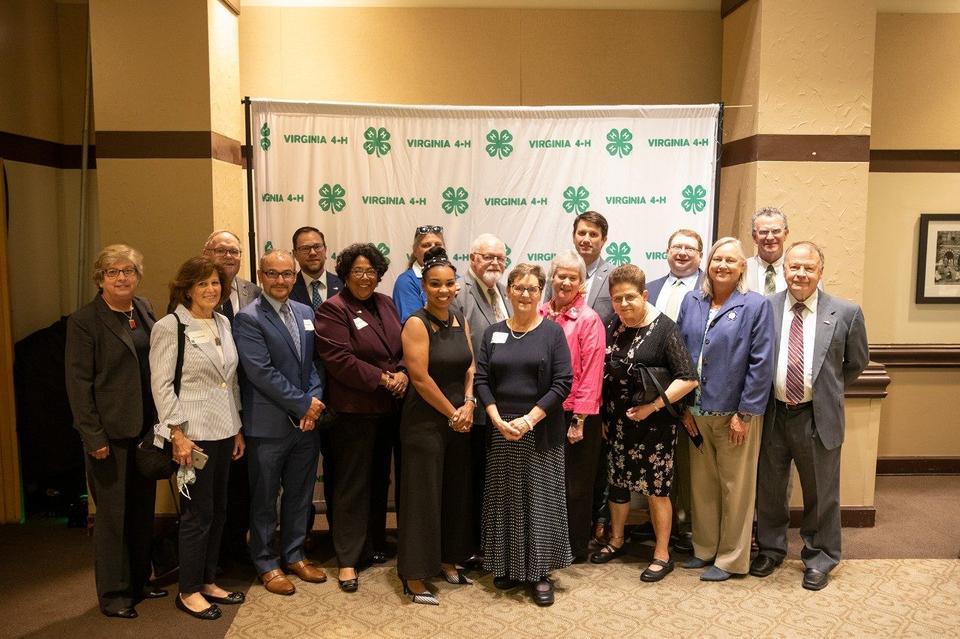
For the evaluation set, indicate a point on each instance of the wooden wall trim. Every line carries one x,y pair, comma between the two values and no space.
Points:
872,383
850,517
29,150
915,161
729,6
139,145
918,465
916,355
769,147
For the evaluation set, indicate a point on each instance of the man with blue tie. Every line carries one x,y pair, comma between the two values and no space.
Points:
821,348
281,393
314,284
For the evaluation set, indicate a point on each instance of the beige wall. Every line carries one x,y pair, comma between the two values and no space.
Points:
919,418
470,56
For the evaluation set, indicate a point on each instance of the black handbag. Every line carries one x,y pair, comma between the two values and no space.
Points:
651,383
152,461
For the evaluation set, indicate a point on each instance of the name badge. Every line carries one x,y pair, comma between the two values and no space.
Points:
359,323
198,338
307,325
498,338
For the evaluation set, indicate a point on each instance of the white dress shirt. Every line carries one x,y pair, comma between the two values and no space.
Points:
322,289
670,288
757,281
809,334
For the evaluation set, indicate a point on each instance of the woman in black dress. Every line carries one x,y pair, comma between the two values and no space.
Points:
436,531
641,438
523,376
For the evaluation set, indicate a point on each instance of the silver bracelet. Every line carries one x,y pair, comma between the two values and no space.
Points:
529,423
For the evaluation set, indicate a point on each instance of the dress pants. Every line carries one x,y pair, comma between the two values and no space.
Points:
479,444
793,436
360,446
288,462
237,522
724,487
436,522
329,475
123,526
202,517
581,462
680,489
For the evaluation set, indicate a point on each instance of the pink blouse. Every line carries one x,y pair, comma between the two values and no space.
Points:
587,339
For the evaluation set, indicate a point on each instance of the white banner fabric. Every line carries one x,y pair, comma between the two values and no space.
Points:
373,173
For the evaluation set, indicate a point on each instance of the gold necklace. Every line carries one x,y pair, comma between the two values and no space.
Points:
216,336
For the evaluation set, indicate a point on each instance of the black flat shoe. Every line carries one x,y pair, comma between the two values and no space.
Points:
232,599
426,597
459,580
123,613
813,579
542,596
608,552
379,557
349,585
474,563
650,576
504,583
207,614
154,593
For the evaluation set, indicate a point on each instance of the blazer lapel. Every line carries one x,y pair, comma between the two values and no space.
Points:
145,313
332,286
735,300
598,279
274,318
826,325
777,302
116,325
482,303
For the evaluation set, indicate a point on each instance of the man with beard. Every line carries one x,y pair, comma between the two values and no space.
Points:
483,300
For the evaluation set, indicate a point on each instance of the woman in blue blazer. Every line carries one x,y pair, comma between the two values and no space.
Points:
729,333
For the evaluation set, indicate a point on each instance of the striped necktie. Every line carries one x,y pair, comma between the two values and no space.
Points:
795,357
315,300
291,325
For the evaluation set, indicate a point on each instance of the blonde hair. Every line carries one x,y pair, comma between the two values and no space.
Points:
112,254
706,285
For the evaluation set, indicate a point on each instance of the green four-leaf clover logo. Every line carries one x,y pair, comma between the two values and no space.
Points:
384,249
376,141
620,145
508,252
265,139
575,199
499,146
694,198
268,246
332,198
618,254
455,200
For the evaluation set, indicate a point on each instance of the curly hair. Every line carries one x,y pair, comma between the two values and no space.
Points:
348,256
525,268
194,270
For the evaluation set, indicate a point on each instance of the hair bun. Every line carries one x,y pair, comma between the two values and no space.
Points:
435,254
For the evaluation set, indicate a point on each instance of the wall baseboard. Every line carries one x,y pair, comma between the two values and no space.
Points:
850,516
918,465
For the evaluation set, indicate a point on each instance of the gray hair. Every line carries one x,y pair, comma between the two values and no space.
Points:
706,285
112,254
273,252
485,239
813,247
769,211
569,259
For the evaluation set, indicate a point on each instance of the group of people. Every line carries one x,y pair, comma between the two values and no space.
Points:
520,418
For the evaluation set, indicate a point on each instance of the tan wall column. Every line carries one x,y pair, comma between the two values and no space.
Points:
169,120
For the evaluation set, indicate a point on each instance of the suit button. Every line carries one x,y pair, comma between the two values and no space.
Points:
706,341
223,384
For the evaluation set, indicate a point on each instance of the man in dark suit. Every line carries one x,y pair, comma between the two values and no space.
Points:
684,251
281,393
223,247
483,300
315,285
589,235
821,349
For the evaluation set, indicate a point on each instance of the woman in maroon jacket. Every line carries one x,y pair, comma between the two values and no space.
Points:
358,339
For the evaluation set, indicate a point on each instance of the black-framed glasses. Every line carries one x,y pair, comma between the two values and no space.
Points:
529,290
272,274
114,273
360,273
307,249
429,228
232,252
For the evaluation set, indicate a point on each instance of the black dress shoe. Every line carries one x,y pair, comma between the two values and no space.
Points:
542,592
379,557
504,583
231,599
813,579
207,614
349,585
474,563
763,566
682,543
152,592
123,613
650,576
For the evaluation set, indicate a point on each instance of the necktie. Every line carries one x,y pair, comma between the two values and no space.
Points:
497,315
227,310
769,283
291,326
315,295
795,357
677,294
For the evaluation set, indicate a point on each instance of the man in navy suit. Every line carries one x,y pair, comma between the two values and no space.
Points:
314,285
281,393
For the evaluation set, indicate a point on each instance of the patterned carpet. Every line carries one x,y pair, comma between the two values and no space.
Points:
865,598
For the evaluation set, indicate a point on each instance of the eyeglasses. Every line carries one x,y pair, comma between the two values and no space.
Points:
487,257
310,248
530,290
220,252
678,248
272,274
114,273
360,273
429,228
770,232
630,298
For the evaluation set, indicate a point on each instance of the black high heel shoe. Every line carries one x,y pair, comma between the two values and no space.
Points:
426,597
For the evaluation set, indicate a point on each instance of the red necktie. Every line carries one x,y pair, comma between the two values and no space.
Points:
795,357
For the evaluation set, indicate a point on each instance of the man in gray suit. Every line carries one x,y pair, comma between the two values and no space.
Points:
224,248
589,236
821,349
483,300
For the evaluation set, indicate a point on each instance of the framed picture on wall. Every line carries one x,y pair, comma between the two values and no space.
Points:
938,259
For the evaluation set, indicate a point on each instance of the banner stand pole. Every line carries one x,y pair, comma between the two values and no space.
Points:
248,151
716,183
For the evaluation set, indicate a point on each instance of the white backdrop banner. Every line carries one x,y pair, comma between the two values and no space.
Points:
372,173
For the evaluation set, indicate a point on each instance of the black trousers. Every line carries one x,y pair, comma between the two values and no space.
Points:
202,517
582,460
479,443
123,525
436,523
360,446
234,539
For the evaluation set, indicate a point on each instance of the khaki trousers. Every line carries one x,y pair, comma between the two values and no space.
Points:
724,487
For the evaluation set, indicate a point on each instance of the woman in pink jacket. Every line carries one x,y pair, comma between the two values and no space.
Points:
586,338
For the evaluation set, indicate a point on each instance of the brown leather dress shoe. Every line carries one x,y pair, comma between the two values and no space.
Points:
277,583
307,571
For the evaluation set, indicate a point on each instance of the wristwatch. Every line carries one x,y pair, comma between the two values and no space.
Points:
744,417
579,419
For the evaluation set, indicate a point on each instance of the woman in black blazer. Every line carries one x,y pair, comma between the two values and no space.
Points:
108,385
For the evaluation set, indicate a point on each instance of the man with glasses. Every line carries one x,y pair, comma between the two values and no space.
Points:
281,392
765,269
314,284
223,247
483,299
